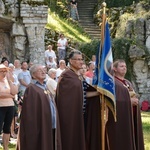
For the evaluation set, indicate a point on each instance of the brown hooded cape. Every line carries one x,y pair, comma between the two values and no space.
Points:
69,100
36,125
126,133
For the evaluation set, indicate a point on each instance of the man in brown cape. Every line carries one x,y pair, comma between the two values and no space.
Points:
126,133
39,128
79,119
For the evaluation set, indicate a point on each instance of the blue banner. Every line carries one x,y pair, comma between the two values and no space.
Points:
103,76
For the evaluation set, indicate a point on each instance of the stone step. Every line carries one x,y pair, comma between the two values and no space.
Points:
90,8
97,31
92,30
85,21
86,15
94,27
96,36
85,7
85,10
87,3
87,25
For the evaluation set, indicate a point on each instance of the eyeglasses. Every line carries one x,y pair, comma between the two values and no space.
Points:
41,71
78,59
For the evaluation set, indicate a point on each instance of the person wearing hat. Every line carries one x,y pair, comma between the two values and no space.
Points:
7,92
5,61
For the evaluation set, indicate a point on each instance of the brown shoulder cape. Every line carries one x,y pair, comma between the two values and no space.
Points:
69,100
36,126
126,133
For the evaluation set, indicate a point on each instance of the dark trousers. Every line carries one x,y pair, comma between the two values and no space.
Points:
6,116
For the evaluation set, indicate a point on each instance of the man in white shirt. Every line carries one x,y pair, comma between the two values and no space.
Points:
24,77
49,53
62,43
17,68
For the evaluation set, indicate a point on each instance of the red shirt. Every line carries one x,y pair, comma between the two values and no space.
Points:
89,74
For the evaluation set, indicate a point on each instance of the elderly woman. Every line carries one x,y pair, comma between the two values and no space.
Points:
7,92
51,83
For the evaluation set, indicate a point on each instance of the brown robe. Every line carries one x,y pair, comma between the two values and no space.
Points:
126,133
69,100
36,124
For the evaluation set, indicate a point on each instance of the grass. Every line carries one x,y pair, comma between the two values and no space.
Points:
71,30
146,131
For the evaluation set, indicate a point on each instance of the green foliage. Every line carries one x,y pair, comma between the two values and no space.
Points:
119,3
89,49
59,6
62,9
71,29
52,4
120,48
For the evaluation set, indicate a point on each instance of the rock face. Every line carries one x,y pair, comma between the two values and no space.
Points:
22,30
136,27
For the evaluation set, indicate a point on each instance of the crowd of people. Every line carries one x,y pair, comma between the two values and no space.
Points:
58,108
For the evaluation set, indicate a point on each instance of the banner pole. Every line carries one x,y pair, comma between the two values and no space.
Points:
102,97
103,121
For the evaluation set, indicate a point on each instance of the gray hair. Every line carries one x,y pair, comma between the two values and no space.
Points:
52,70
33,69
61,61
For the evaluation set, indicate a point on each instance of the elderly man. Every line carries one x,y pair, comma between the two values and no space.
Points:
39,116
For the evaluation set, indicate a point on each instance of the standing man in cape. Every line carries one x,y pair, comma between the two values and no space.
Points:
78,108
126,133
39,126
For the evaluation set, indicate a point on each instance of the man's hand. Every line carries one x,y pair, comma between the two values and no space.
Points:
134,101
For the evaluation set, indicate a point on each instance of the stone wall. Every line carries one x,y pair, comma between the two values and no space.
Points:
22,30
134,24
